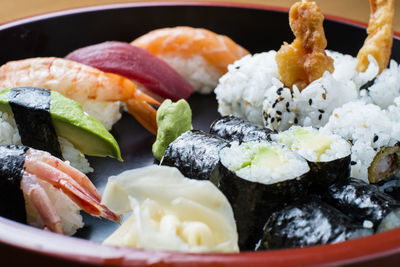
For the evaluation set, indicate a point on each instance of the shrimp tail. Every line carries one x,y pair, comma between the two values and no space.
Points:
37,195
71,182
141,106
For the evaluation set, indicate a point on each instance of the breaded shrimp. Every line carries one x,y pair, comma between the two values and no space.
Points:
304,60
199,55
80,83
380,35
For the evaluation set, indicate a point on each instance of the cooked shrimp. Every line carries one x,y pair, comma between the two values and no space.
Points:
380,35
81,83
40,165
197,54
304,60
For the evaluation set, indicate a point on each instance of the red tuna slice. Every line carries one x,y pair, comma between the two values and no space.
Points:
137,64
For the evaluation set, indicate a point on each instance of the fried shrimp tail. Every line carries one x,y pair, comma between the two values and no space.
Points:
304,60
380,35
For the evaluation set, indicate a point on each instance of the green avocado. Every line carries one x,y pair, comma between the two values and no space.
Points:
173,119
305,138
70,121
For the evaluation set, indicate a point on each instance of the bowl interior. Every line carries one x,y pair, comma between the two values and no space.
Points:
255,29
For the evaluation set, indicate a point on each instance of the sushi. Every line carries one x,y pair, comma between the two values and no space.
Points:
364,203
374,139
98,92
150,74
259,177
236,129
199,55
308,223
42,190
46,120
327,155
195,154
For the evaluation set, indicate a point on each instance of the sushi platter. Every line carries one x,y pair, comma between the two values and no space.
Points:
206,138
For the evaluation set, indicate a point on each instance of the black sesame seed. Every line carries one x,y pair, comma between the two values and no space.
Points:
273,105
287,109
278,112
353,163
368,84
320,117
279,91
310,101
272,120
376,138
321,110
376,149
237,67
278,119
287,104
296,121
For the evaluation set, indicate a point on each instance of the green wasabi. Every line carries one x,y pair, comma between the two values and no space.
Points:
173,119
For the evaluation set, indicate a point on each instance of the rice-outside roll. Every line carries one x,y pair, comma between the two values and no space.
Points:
258,177
308,223
364,203
236,129
328,155
194,153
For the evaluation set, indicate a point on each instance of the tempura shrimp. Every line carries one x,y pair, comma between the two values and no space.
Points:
380,35
304,60
80,83
199,55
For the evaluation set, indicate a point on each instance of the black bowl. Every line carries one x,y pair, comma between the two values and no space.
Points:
256,28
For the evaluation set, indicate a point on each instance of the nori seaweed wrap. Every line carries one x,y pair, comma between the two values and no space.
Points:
306,224
363,202
12,205
327,155
232,128
31,109
258,178
194,153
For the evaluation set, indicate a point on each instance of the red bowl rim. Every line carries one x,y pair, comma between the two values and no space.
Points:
88,252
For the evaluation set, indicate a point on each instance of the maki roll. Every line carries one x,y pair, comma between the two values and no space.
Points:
46,120
45,191
328,155
306,224
194,153
259,177
374,136
236,129
365,203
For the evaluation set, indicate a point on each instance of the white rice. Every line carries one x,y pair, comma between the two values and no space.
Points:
251,89
290,166
107,113
338,147
68,211
202,75
368,127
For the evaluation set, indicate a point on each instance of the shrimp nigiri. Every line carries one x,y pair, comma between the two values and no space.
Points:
199,55
84,84
42,177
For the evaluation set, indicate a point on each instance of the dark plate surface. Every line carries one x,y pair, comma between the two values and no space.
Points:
256,29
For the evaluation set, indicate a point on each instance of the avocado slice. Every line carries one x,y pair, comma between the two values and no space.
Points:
306,138
70,121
